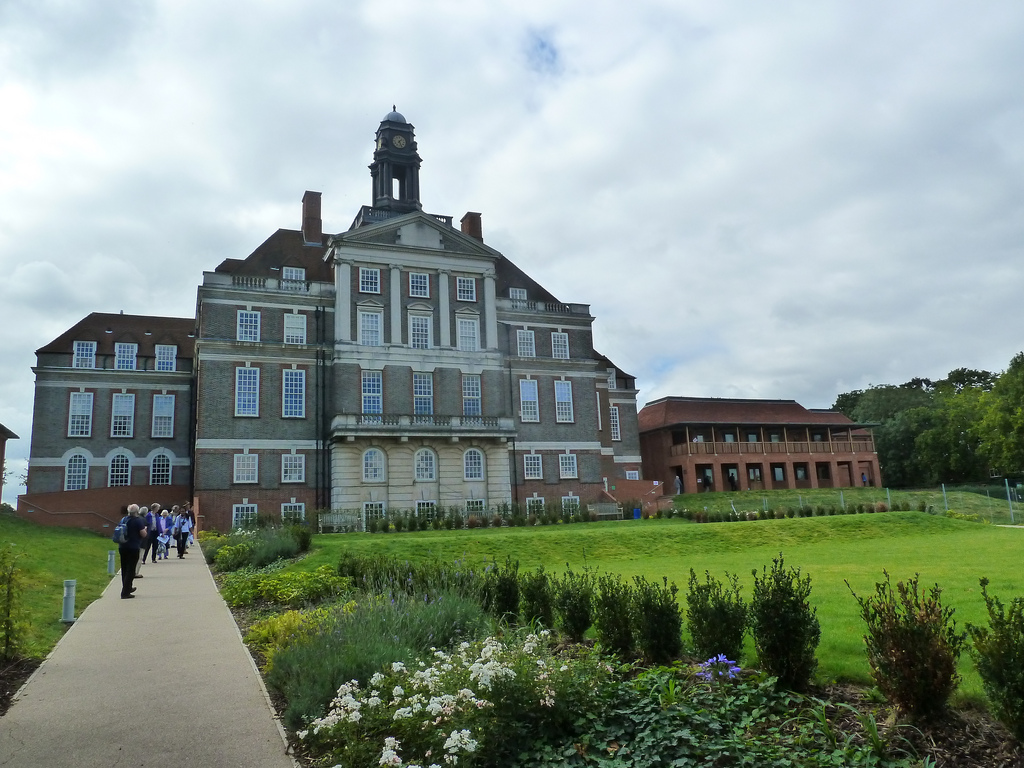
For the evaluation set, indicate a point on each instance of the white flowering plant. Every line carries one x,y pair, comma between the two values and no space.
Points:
491,697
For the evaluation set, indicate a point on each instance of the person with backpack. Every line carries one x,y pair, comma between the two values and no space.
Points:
134,532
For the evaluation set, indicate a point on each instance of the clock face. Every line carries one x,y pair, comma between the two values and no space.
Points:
398,141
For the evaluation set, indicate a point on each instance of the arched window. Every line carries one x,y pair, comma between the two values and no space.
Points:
76,474
120,471
426,464
160,470
373,466
473,462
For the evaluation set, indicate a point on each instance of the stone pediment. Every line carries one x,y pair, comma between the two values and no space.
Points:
417,230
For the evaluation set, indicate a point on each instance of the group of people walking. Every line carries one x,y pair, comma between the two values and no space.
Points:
150,532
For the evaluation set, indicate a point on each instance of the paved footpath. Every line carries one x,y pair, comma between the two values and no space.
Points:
159,680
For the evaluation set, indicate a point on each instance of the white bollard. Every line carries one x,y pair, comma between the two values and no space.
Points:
69,601
111,567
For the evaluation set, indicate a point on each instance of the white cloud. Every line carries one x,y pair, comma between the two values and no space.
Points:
771,201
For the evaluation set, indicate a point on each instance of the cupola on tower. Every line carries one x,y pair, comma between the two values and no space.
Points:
396,166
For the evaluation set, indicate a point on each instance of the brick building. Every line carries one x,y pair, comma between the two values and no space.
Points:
714,444
400,364
5,435
112,412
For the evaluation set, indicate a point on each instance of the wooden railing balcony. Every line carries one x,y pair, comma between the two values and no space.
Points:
737,448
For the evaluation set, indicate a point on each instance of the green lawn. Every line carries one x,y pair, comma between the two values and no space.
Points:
857,548
48,556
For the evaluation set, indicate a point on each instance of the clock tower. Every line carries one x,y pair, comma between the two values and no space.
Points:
396,166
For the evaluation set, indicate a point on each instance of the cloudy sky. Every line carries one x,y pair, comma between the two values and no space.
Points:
784,200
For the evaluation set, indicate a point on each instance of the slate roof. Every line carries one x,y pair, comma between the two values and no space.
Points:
145,330
670,411
284,248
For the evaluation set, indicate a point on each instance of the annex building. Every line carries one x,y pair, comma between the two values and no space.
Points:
400,364
700,444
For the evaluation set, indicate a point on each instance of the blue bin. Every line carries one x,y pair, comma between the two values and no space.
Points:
636,514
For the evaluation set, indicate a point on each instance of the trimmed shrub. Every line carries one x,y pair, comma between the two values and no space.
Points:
611,615
784,625
303,536
574,602
657,620
913,646
536,598
717,616
998,652
499,590
234,556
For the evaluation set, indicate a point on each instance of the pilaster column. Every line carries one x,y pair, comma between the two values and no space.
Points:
490,312
342,301
395,335
444,278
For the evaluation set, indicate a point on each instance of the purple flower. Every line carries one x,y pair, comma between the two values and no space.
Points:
718,668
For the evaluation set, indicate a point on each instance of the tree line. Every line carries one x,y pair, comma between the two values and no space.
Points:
960,429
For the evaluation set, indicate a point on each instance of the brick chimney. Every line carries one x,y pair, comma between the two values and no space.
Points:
312,224
471,226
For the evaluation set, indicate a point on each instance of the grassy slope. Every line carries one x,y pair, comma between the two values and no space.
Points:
857,548
51,555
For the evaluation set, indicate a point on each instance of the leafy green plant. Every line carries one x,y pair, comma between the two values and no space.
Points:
913,646
12,625
657,620
291,588
231,557
537,600
716,616
998,652
784,625
574,602
612,615
270,635
482,704
354,643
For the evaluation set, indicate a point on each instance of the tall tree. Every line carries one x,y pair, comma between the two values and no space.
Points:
1002,426
878,404
963,378
950,451
846,402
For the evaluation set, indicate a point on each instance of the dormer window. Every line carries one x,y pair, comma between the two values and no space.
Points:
125,356
85,354
166,357
517,294
293,279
